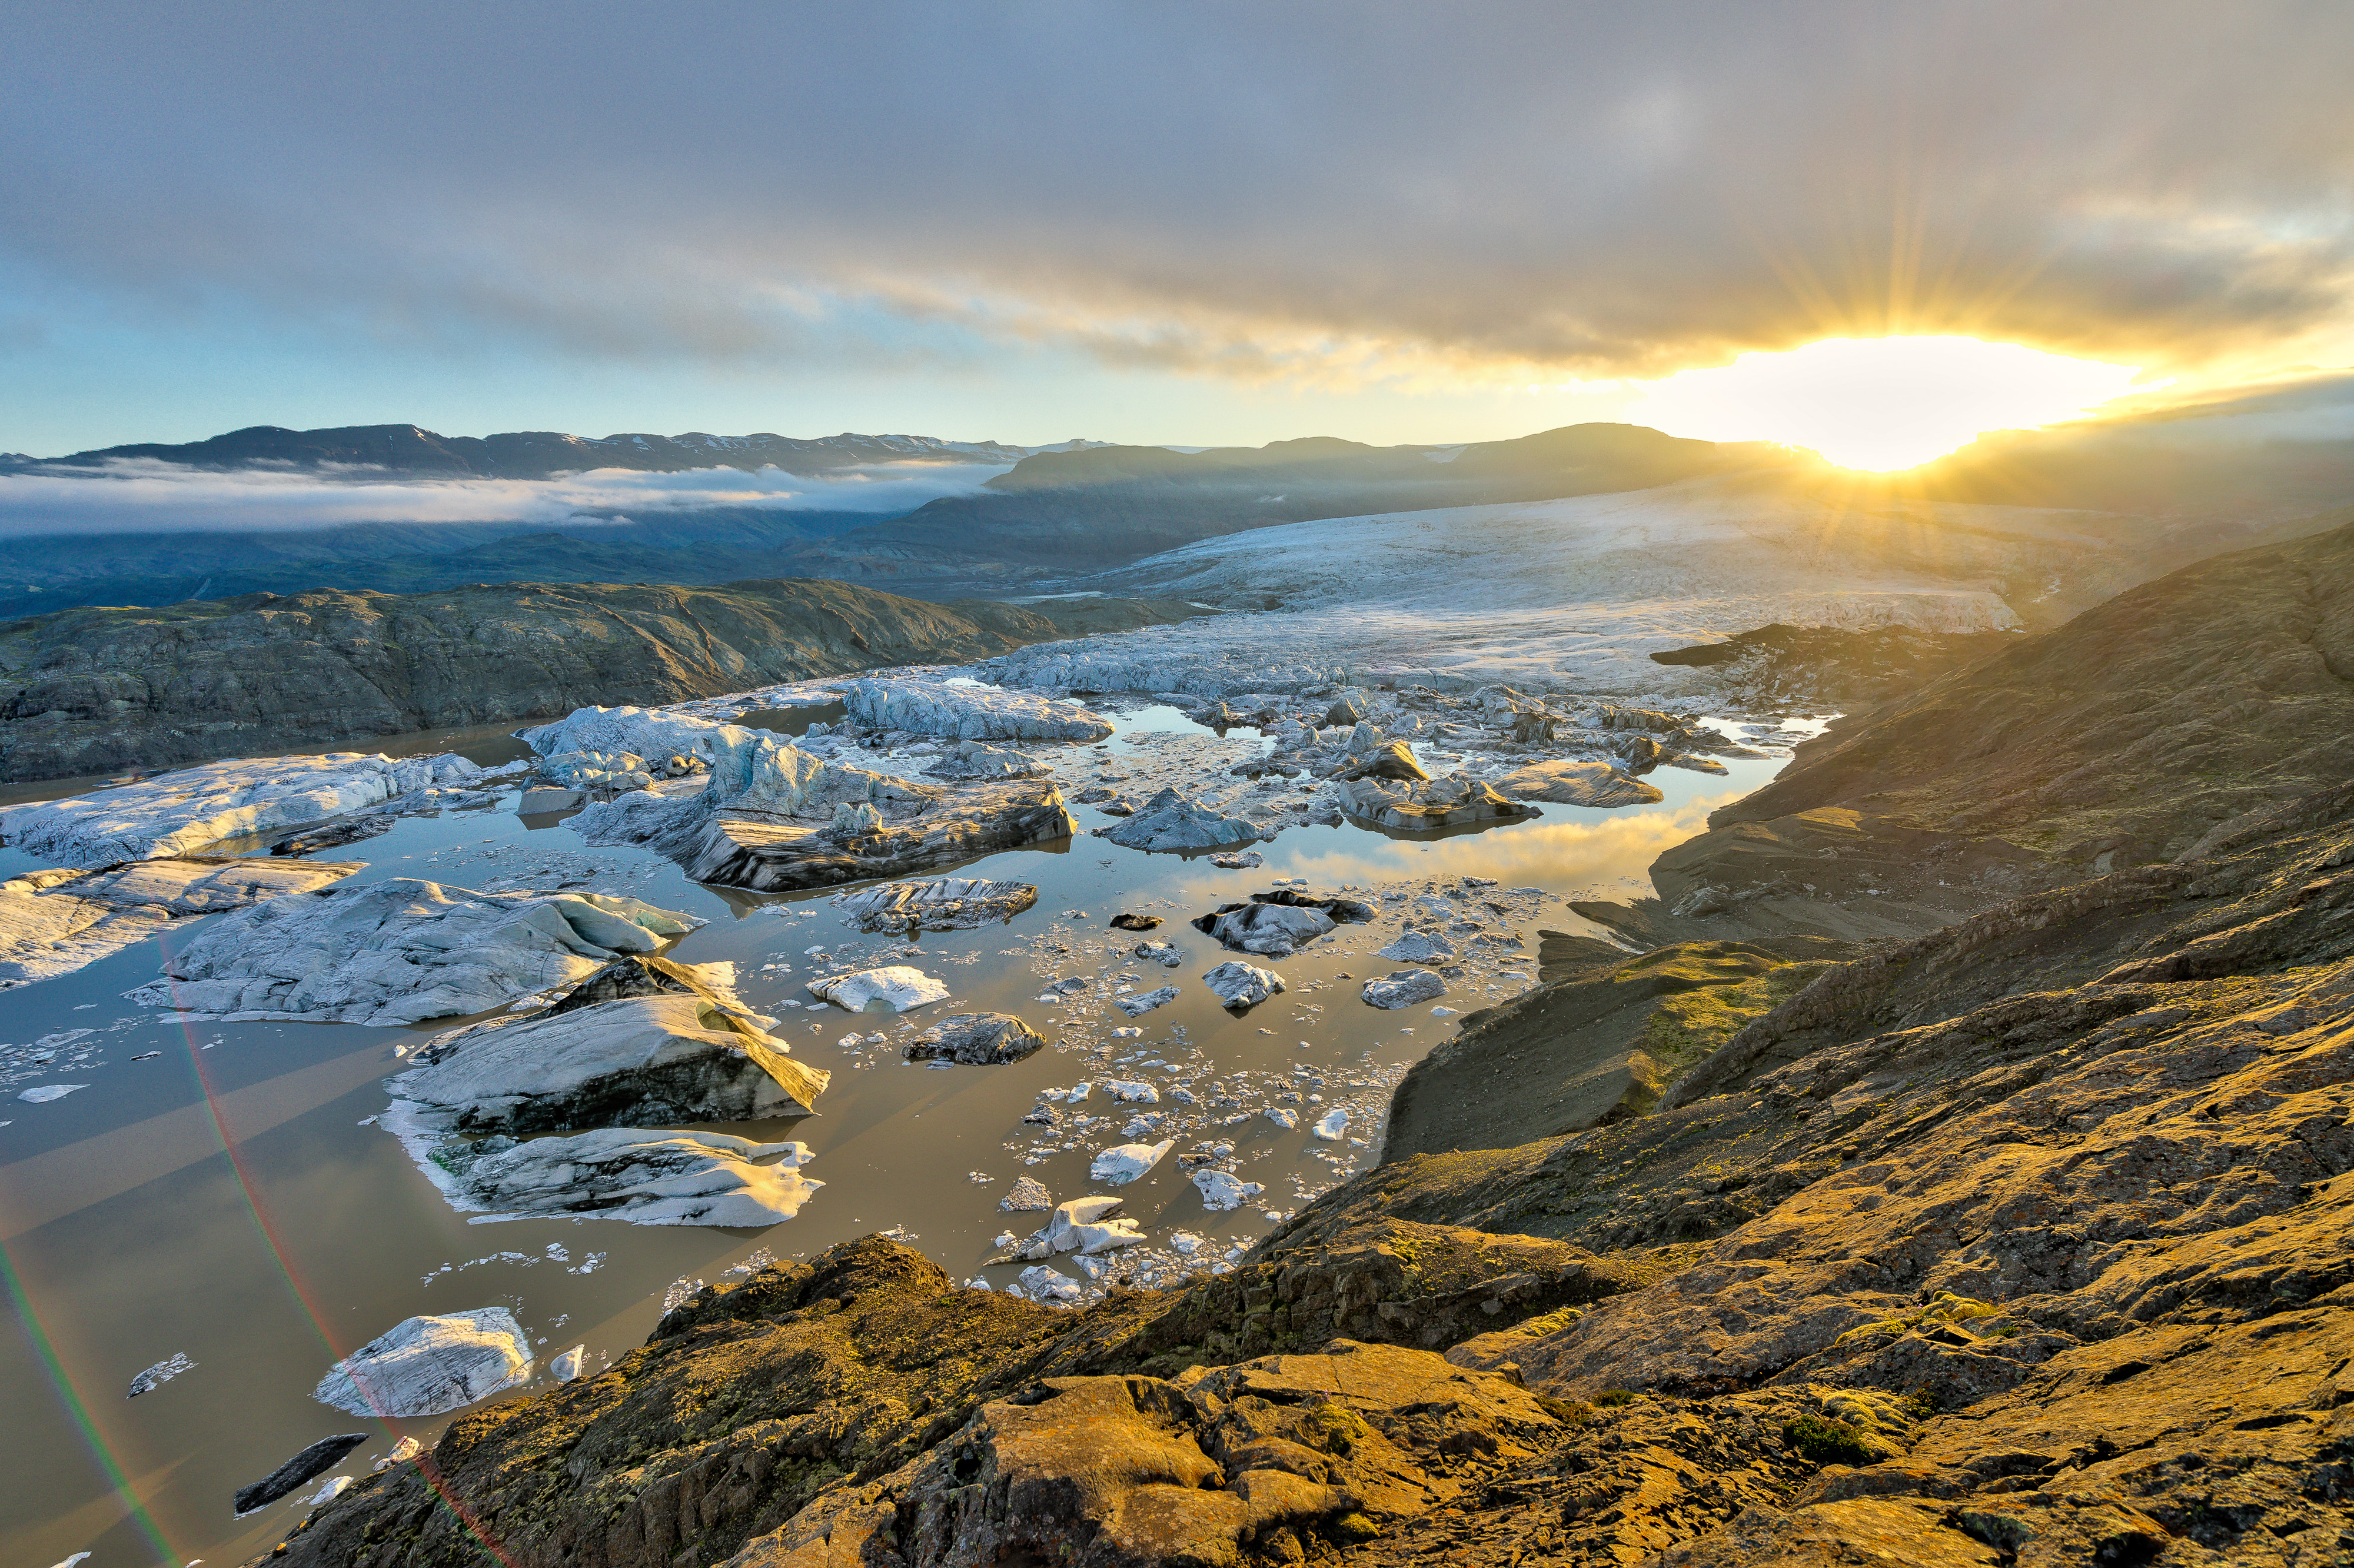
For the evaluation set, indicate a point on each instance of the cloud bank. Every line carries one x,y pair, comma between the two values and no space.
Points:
1336,193
147,497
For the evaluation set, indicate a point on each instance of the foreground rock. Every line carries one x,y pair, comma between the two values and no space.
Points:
618,1173
949,903
644,1061
54,922
184,812
1422,807
1575,783
429,1366
774,816
1171,822
969,710
402,951
976,1040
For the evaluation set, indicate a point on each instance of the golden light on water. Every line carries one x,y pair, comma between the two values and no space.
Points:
1881,404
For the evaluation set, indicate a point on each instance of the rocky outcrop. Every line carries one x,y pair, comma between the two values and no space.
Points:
968,711
94,691
54,922
1596,1048
185,812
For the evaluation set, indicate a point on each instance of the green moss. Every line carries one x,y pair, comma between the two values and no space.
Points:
1573,1413
1823,1441
1333,1428
1614,1396
1352,1528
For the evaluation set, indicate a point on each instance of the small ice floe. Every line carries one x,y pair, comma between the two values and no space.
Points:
1124,1162
1079,1092
1004,1239
566,1366
1403,989
1222,1190
1333,1126
429,1366
1242,986
1135,1091
146,1055
645,1176
1282,1116
1128,1031
47,1092
1168,955
1028,1195
1245,859
407,1449
897,986
1418,948
1184,1242
319,1458
1145,1001
1087,1225
1442,1012
329,1491
159,1374
1040,1283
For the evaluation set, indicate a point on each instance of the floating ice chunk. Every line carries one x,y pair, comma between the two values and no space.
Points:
1145,1001
1124,1162
1184,1242
1078,1092
427,1366
1245,859
1028,1195
1283,1117
1442,1012
567,1366
1168,955
649,1178
1041,1283
1242,986
975,1039
1333,1126
407,1449
897,986
1133,1091
320,1457
47,1092
1418,948
948,904
1403,989
159,1374
329,1491
1222,1190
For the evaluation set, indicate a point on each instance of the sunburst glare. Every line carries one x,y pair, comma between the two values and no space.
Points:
1883,403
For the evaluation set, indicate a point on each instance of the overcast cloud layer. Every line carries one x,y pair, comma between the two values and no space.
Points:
1340,194
140,496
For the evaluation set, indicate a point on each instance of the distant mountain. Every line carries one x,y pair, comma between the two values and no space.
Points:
535,454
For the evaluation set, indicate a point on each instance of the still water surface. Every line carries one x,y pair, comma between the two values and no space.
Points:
224,1199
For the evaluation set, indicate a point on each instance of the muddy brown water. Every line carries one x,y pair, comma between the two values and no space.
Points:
215,1190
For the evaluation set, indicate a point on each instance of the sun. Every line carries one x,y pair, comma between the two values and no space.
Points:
1881,404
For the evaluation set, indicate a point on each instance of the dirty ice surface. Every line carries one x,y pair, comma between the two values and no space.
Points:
221,1192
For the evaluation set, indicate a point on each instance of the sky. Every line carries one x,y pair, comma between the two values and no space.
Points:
1177,223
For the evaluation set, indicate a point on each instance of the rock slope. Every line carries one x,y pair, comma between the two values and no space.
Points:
89,692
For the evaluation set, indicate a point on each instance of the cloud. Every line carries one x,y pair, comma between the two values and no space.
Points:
1350,194
142,497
